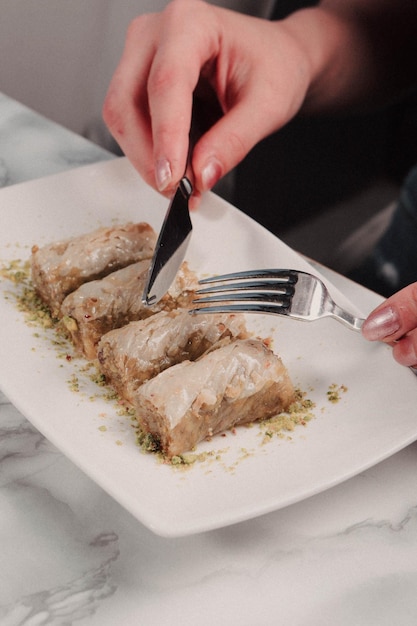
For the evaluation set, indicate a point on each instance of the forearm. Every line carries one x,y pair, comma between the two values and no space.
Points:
360,51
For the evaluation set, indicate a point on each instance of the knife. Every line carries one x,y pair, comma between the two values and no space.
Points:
171,246
176,229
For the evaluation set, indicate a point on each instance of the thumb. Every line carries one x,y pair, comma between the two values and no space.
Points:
395,317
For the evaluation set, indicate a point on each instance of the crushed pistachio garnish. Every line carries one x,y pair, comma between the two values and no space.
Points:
98,378
335,391
188,459
17,271
70,323
299,413
146,441
74,383
27,300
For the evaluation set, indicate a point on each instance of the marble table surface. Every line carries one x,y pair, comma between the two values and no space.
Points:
71,555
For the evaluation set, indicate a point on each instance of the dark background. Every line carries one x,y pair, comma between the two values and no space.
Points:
316,162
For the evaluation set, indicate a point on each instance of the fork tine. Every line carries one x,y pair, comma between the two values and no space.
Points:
289,276
242,297
281,300
275,308
276,286
291,293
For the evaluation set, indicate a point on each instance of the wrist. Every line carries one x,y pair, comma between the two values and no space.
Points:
334,51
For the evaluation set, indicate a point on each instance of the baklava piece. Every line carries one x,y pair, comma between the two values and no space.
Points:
137,352
235,384
60,268
99,306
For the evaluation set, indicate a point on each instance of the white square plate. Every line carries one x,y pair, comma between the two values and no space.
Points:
374,418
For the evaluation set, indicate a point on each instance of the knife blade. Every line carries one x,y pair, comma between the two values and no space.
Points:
171,246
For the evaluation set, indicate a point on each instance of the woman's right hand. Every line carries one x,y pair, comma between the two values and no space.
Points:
257,69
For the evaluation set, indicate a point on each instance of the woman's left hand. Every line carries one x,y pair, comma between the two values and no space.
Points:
395,322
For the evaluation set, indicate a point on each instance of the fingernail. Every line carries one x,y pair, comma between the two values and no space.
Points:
163,174
381,324
211,173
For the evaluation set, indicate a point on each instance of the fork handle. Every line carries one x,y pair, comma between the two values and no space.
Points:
355,323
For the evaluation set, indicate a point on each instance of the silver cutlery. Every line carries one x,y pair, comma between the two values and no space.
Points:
291,293
177,227
171,246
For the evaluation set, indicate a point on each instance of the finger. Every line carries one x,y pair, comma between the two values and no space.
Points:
405,350
173,78
194,201
170,103
125,109
393,319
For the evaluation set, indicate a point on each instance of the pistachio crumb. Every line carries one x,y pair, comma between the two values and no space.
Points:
334,392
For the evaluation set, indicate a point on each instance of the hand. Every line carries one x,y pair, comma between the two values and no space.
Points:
257,69
395,323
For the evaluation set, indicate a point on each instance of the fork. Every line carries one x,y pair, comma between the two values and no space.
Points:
293,293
